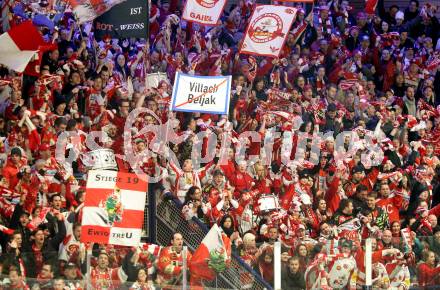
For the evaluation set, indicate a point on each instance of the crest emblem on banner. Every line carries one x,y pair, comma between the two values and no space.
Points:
207,3
266,27
113,207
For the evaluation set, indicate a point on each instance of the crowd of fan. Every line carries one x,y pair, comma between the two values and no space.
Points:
376,75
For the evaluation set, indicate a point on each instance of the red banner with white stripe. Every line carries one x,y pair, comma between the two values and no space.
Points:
267,30
114,208
205,12
19,46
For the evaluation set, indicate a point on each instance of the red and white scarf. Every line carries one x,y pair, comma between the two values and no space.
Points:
325,27
299,30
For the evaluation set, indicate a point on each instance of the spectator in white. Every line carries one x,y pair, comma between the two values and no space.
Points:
187,177
70,247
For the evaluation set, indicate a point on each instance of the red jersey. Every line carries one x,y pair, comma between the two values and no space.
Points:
391,205
109,279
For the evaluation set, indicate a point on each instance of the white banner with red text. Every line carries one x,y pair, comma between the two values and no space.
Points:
205,12
267,30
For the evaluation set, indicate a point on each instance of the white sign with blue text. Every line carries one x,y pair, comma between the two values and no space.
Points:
204,94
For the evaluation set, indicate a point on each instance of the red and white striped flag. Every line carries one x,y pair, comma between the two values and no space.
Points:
433,62
347,84
6,230
406,236
19,45
87,10
4,82
114,208
215,245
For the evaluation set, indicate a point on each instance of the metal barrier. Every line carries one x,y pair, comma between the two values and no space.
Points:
171,220
5,283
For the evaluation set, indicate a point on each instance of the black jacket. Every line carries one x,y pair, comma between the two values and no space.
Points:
49,251
290,281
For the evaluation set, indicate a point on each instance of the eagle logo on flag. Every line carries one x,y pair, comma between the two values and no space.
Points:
217,260
113,207
266,27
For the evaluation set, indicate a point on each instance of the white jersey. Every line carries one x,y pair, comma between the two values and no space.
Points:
343,273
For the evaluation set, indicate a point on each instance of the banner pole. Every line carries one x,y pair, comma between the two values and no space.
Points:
89,269
277,266
184,268
368,264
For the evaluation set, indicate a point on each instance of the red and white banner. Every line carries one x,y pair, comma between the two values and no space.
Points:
267,30
113,210
433,63
87,10
205,12
19,46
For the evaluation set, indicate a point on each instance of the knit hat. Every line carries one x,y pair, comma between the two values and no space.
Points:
399,15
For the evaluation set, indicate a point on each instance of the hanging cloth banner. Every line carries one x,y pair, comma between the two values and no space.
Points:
267,30
114,207
128,19
205,12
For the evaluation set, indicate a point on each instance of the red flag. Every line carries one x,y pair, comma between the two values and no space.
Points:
215,243
33,68
370,6
19,45
6,230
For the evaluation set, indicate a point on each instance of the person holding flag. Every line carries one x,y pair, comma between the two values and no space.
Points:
170,262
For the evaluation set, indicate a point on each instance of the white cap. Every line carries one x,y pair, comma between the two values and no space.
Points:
399,15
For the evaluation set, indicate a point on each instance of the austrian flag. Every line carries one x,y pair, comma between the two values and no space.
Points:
114,208
19,46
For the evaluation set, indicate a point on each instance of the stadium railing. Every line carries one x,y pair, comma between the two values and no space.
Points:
170,220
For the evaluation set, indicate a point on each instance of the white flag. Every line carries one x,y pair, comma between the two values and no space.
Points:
205,12
267,30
